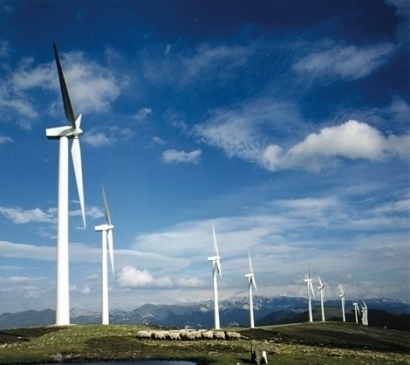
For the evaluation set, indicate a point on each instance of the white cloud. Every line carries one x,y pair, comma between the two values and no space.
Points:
158,141
142,114
102,136
92,87
10,104
96,139
174,156
239,132
94,212
347,62
216,62
191,282
351,140
130,277
34,252
4,140
20,216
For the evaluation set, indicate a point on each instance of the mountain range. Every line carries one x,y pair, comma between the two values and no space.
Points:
234,312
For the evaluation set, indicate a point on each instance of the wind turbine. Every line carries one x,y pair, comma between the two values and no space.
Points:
252,282
309,288
216,269
321,291
63,134
356,311
364,314
106,230
342,297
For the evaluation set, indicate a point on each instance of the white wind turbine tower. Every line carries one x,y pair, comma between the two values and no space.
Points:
63,134
321,291
364,314
106,230
252,282
342,297
216,269
309,288
356,311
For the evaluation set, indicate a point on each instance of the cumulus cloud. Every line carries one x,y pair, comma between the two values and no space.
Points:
20,216
174,156
191,282
130,277
92,87
350,140
102,136
346,62
239,132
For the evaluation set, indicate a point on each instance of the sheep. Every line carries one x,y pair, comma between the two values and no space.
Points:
173,336
143,334
233,335
159,335
207,335
219,335
190,335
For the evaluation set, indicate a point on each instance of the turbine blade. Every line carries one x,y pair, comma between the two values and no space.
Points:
110,241
309,269
320,281
254,283
106,209
218,267
250,263
68,109
311,289
341,289
76,156
215,242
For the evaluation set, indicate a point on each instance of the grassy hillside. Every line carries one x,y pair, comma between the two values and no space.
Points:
315,343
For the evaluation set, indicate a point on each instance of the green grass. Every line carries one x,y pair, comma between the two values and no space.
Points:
118,342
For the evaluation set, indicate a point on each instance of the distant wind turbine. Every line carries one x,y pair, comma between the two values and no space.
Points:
106,230
216,269
364,314
309,288
356,311
321,291
63,134
252,282
342,297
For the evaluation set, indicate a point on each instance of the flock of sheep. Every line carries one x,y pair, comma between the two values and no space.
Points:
189,335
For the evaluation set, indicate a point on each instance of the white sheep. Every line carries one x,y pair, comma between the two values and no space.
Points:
207,335
190,336
144,334
159,335
233,335
173,336
219,335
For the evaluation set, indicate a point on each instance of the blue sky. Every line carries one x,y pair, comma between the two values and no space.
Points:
284,123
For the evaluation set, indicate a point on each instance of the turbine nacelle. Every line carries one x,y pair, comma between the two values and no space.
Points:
321,285
64,131
103,227
342,293
251,278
